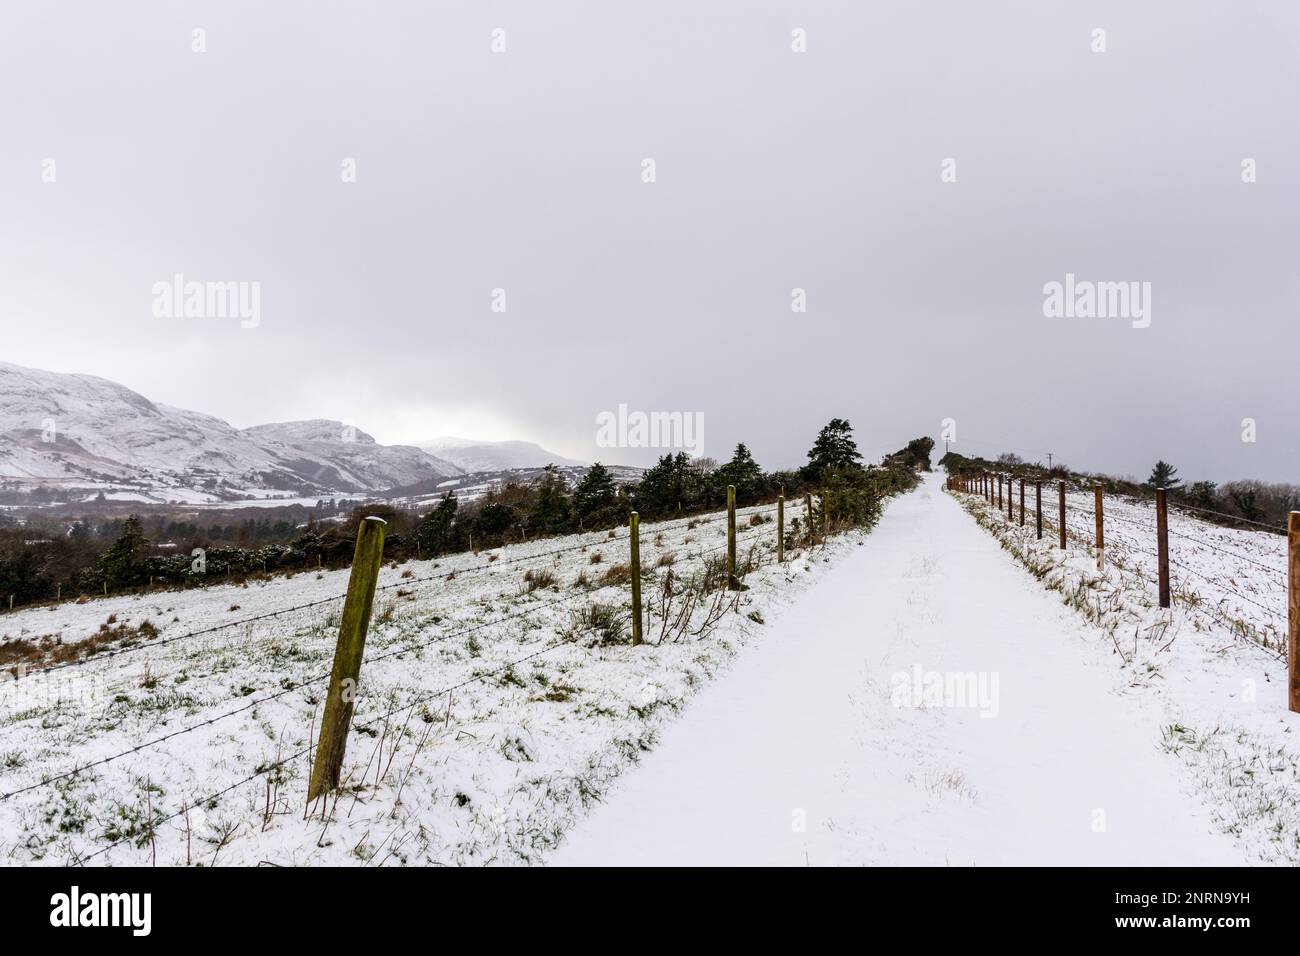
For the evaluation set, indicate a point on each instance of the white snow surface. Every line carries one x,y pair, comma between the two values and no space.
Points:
1123,733
806,754
493,771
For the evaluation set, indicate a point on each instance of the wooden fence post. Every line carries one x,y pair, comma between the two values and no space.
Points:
1038,507
1022,502
1293,610
634,533
351,647
731,538
999,492
1060,491
780,529
826,517
1101,531
1011,514
807,513
1162,545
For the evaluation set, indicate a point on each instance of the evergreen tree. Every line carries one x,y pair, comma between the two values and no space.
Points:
743,472
434,532
1164,475
550,512
123,564
663,488
494,518
1245,495
1202,494
833,449
20,576
919,449
596,495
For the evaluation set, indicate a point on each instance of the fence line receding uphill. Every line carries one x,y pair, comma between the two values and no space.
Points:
989,486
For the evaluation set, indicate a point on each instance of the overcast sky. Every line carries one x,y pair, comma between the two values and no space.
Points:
523,170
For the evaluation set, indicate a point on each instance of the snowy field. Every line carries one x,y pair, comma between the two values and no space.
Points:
1235,578
491,712
1213,664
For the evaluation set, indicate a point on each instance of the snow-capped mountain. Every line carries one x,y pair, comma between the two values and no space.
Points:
62,429
474,456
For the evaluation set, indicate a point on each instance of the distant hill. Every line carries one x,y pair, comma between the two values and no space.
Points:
69,430
490,456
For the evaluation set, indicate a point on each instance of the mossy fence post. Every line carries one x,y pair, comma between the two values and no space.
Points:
1060,500
1101,527
732,583
780,528
1162,545
634,535
1038,507
351,648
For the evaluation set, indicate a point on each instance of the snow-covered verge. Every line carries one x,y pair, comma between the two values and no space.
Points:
493,708
1212,662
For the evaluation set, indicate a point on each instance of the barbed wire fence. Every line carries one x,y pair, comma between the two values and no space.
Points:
1095,531
330,746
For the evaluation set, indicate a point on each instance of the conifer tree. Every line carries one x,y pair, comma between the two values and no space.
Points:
833,449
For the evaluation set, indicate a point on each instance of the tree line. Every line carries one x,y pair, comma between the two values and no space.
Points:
34,571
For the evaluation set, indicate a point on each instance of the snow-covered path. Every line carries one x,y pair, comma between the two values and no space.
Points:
798,755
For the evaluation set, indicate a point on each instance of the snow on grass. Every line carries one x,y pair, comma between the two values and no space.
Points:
1213,662
493,707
